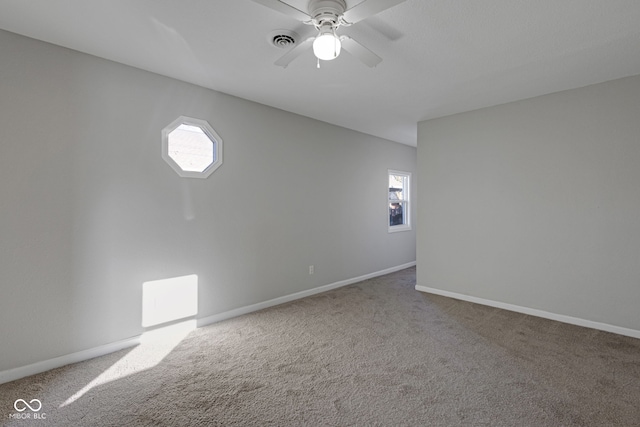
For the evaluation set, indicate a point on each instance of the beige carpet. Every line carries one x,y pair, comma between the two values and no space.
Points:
377,353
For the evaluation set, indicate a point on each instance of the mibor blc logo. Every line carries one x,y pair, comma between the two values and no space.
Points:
21,405
34,406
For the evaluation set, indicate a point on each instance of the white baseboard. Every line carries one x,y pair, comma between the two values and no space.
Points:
45,365
534,312
56,362
298,295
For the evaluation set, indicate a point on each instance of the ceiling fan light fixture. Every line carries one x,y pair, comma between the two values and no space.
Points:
327,45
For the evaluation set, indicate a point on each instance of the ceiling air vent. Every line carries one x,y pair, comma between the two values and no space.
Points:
284,39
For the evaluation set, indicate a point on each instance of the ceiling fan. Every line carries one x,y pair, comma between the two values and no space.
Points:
327,16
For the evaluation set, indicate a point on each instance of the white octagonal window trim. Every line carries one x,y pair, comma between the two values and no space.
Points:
191,147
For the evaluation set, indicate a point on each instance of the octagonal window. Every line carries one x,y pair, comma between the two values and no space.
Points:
191,147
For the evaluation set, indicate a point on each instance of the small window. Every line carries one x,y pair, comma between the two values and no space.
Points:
399,201
191,147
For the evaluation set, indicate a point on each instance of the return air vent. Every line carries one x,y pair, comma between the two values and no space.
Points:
283,39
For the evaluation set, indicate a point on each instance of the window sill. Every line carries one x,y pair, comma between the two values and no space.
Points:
396,228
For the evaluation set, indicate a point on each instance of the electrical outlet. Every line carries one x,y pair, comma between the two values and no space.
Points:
311,269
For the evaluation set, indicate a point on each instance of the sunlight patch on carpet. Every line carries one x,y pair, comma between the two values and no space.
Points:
154,347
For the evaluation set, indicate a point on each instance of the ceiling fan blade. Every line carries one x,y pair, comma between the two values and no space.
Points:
294,53
381,27
282,7
362,53
367,8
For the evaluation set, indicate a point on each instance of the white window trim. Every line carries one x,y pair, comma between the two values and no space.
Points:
208,130
407,201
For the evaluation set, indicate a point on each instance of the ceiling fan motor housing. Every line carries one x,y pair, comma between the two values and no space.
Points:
326,12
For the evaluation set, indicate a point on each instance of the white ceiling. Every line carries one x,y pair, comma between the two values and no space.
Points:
439,56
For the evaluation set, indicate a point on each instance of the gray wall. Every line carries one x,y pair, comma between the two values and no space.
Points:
537,203
89,210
